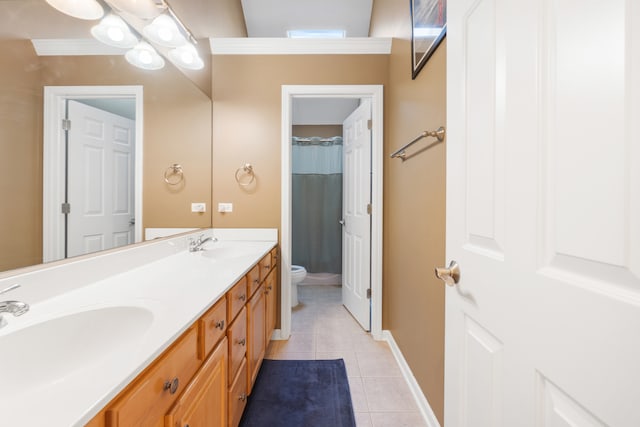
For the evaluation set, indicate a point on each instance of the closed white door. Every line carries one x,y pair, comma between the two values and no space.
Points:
356,198
100,180
543,213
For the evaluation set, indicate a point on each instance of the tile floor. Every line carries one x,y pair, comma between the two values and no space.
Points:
323,329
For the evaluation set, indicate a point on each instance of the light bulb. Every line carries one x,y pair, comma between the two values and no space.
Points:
115,34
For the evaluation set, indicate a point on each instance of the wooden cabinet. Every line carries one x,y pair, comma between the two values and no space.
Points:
238,395
204,377
204,401
271,302
212,327
149,397
237,335
256,335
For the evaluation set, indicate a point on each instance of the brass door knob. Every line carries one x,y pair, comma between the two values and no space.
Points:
450,275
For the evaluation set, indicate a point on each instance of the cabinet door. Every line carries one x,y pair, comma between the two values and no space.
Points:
237,336
204,401
256,345
271,294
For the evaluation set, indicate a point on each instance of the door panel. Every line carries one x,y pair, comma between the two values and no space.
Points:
543,213
356,239
100,180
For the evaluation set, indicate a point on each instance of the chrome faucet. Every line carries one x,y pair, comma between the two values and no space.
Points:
17,308
195,245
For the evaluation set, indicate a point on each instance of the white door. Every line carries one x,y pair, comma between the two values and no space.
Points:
543,213
356,197
100,180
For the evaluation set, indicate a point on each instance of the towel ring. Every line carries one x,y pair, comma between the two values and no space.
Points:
247,169
175,170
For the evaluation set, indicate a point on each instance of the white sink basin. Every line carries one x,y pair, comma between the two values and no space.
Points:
43,354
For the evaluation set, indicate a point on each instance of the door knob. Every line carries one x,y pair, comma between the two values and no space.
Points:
450,275
341,222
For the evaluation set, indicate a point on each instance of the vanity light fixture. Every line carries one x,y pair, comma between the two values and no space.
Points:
186,57
81,9
143,9
113,31
144,56
164,31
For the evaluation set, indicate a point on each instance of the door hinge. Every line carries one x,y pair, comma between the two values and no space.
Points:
66,208
369,293
369,208
66,124
369,124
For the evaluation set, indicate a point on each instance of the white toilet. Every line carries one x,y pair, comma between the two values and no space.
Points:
298,273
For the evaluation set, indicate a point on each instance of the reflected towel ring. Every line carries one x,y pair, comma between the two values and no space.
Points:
248,170
175,170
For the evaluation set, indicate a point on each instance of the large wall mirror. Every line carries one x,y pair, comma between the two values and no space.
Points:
176,129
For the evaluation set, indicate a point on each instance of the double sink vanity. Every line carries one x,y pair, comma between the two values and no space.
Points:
163,333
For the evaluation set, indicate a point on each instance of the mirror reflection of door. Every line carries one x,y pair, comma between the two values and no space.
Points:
100,175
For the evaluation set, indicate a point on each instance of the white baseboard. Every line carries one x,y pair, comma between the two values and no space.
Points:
418,395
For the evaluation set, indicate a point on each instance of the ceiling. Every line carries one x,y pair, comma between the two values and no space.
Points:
35,19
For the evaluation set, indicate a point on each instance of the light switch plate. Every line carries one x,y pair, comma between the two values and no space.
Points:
198,207
225,207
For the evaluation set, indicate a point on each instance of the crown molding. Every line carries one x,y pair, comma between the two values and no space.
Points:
286,46
73,47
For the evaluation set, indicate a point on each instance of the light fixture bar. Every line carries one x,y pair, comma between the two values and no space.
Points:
187,32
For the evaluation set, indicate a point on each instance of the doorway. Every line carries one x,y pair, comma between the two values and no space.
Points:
372,94
126,161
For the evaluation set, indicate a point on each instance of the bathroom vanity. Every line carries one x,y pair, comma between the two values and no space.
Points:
171,337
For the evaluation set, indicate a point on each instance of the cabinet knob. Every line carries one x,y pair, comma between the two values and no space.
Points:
268,266
256,281
269,287
242,297
243,341
220,324
172,385
242,397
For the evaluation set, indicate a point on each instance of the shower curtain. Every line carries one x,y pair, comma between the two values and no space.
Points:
317,204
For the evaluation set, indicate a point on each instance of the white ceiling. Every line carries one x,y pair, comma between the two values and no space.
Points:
322,111
273,18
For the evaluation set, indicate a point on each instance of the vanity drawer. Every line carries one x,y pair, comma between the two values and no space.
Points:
213,325
265,266
253,279
236,299
238,395
237,335
150,395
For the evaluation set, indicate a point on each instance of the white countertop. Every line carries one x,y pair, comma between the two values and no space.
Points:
124,321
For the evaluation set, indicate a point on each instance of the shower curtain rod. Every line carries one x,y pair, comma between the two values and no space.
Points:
317,139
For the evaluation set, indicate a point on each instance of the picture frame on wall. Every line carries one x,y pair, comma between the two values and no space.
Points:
429,27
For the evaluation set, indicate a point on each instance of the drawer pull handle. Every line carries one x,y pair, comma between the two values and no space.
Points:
267,266
242,397
243,341
242,297
256,281
220,324
172,385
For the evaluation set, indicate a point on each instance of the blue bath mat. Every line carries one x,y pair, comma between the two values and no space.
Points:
300,393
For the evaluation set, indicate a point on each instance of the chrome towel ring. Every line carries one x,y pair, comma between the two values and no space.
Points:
246,170
174,174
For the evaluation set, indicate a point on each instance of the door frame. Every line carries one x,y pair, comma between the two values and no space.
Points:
53,159
375,93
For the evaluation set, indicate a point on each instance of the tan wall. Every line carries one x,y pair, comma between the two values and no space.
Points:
323,131
177,129
414,218
247,119
21,156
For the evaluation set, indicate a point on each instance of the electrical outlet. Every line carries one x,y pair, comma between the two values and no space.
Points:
198,207
225,207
